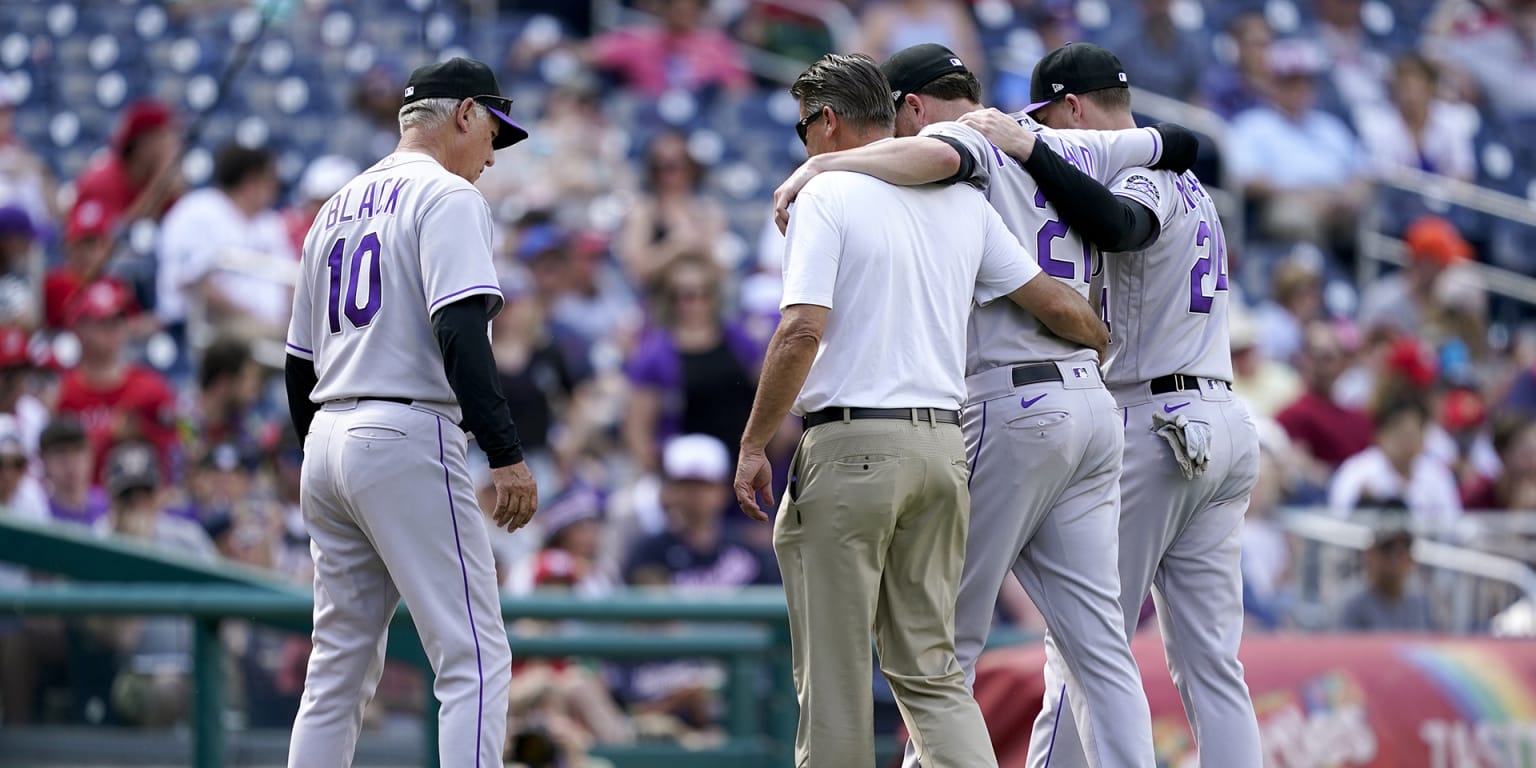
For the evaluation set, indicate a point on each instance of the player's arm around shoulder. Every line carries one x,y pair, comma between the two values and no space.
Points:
906,161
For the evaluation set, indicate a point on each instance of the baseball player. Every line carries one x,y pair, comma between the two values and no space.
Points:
1191,450
1040,427
388,355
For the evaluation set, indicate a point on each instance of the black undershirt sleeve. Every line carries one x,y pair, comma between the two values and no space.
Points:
967,161
1112,223
300,379
471,371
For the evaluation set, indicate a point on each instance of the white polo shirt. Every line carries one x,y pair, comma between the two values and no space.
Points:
899,268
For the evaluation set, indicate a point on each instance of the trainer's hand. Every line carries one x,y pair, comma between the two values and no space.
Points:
790,189
754,474
1004,132
517,496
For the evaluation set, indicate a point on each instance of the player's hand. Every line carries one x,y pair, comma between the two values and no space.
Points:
1003,131
517,496
790,189
754,474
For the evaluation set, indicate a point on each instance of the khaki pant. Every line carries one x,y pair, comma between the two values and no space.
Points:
871,538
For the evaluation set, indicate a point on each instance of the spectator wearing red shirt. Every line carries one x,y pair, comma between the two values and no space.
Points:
114,399
87,247
679,53
1514,438
1321,428
144,158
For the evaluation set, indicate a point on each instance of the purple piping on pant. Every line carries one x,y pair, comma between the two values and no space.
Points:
1056,726
468,607
980,441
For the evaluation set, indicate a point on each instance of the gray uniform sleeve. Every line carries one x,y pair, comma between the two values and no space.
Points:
977,155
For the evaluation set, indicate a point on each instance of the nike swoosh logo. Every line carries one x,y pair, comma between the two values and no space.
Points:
1171,407
1028,401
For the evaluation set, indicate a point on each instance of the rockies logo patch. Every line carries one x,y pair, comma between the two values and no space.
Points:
1143,185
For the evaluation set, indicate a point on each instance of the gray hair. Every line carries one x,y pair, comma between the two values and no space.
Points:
431,113
853,86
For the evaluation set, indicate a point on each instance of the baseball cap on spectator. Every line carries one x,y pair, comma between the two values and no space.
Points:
1295,58
223,457
1463,409
577,505
909,69
1407,359
11,446
1074,68
1434,240
15,222
132,466
325,176
101,300
88,219
141,117
1244,332
62,432
461,78
541,240
696,457
15,348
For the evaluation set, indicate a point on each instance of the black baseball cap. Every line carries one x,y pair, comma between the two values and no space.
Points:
1076,68
461,78
909,69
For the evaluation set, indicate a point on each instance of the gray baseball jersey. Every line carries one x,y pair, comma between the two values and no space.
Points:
1179,538
1003,334
1046,457
396,244
387,497
1167,305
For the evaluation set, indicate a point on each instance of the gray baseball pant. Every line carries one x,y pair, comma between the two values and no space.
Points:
1045,504
391,512
1182,540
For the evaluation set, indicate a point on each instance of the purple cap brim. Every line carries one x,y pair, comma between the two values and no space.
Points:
1039,105
506,138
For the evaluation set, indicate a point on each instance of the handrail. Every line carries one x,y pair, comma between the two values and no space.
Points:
740,647
1448,558
1504,282
1461,193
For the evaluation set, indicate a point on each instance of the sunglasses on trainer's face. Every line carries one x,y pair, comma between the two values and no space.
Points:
805,123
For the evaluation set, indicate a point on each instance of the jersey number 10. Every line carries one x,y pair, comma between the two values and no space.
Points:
359,315
1212,246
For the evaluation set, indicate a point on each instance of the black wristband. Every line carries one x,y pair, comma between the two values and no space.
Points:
1180,148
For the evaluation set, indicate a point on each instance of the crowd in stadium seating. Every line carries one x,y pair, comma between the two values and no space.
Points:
139,289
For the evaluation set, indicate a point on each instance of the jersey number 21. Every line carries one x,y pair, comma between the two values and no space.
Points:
368,251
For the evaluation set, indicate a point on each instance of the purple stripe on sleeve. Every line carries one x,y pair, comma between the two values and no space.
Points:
439,302
1157,145
298,348
468,606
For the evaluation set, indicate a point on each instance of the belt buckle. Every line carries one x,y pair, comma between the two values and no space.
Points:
1178,382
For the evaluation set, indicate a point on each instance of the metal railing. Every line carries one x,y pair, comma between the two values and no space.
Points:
1474,584
750,713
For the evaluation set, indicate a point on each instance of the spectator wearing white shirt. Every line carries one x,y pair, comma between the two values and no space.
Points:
1396,472
211,233
1417,129
1300,164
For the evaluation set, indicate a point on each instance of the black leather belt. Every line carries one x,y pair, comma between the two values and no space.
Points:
1178,382
400,400
1034,373
901,414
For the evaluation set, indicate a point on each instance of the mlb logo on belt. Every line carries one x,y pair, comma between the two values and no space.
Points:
1078,373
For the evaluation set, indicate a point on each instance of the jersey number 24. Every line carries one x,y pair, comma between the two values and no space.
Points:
368,251
1211,244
